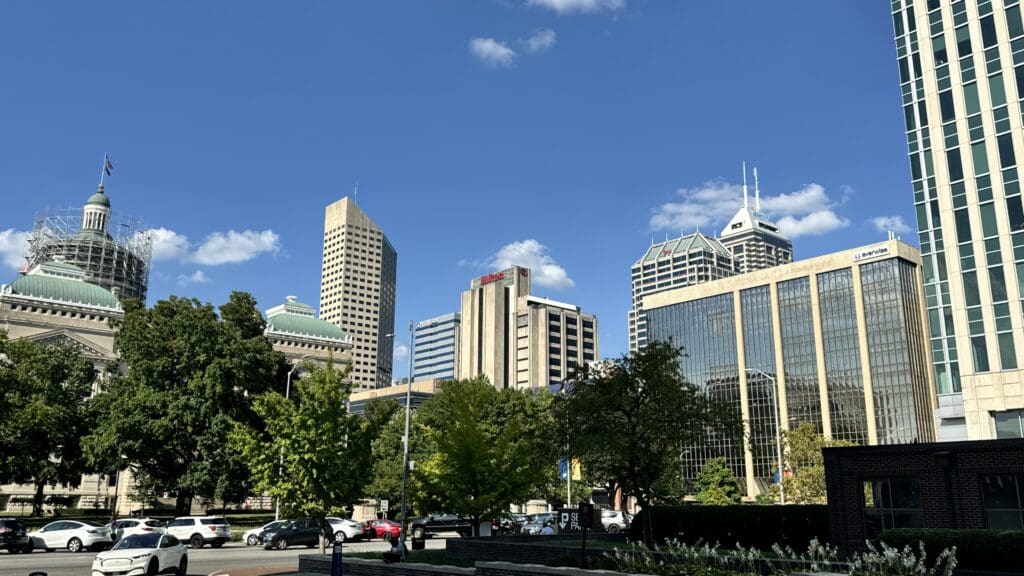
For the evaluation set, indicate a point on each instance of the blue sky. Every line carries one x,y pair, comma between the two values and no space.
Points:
556,133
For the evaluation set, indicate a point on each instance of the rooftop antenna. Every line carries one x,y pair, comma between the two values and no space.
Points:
355,190
745,205
757,192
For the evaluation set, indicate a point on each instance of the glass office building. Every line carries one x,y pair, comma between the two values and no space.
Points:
961,74
837,341
436,344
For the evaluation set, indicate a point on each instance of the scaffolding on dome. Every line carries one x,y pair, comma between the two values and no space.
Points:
117,260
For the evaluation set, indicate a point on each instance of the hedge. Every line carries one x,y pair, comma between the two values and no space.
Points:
747,525
995,550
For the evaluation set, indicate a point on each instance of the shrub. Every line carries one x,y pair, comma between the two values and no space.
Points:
749,526
997,550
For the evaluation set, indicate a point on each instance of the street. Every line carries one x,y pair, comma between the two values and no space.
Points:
233,556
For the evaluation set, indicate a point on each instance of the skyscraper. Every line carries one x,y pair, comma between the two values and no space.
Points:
487,332
754,240
357,290
436,347
961,69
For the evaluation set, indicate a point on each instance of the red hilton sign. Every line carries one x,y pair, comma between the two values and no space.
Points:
492,278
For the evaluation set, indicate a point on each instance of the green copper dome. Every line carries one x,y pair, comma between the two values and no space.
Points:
63,289
295,318
99,198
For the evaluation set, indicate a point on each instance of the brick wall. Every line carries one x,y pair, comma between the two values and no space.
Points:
949,475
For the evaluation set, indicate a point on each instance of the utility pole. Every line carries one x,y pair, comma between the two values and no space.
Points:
405,447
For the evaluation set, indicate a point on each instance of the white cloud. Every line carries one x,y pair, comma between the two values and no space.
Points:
894,223
571,6
401,351
492,52
168,244
541,41
197,277
813,224
808,211
533,255
234,247
12,247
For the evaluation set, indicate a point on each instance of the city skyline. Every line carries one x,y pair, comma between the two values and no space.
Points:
236,192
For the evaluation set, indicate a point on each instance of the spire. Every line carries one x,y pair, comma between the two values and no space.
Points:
745,204
757,192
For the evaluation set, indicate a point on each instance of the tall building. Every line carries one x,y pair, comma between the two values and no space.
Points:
435,347
113,250
961,69
357,290
487,331
675,263
838,341
553,340
755,241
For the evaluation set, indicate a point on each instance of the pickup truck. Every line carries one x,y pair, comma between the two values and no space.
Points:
436,523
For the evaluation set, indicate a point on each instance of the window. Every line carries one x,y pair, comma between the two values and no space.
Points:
956,169
1002,497
1009,424
892,503
1006,155
971,102
979,353
998,92
988,31
946,106
1013,22
939,50
963,41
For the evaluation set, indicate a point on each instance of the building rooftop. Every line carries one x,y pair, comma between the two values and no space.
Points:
695,242
57,281
297,319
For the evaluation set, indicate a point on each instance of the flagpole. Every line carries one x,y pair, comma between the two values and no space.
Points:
103,169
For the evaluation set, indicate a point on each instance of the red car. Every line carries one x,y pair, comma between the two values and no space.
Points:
387,530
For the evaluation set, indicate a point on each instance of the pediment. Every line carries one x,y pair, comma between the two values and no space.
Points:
65,336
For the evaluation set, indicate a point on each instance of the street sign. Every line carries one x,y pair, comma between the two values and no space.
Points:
569,520
384,506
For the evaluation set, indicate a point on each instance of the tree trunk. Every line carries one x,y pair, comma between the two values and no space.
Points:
37,499
183,504
323,534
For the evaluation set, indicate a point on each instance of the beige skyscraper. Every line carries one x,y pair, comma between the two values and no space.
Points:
357,290
961,69
487,332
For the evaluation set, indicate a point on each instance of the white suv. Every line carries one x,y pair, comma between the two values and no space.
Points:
200,530
615,521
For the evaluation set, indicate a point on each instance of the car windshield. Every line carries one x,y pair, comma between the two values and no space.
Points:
138,541
213,521
274,525
92,524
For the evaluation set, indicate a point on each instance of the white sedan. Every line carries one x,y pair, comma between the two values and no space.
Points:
72,535
143,554
128,526
351,529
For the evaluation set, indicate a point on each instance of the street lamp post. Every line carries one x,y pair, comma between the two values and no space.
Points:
405,447
280,463
778,430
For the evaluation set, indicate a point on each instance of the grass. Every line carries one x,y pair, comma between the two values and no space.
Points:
434,557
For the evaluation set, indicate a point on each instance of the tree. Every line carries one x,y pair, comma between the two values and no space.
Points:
312,455
44,392
188,378
805,479
485,452
386,476
717,485
628,420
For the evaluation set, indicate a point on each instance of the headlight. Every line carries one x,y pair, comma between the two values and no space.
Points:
146,555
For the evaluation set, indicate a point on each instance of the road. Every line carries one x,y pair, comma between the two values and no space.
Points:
233,556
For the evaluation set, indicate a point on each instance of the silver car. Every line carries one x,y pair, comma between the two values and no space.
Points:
71,534
615,521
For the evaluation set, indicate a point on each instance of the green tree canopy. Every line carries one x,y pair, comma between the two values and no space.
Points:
627,421
804,482
717,485
44,412
188,377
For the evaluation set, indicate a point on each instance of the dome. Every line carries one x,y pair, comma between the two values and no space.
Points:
99,198
296,319
61,282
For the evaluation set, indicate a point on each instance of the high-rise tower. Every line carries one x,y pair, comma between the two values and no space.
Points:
961,69
357,290
754,240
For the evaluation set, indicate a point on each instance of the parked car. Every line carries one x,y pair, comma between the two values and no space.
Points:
510,523
535,522
386,530
615,521
13,537
342,529
126,527
200,530
146,553
434,524
252,537
71,534
299,531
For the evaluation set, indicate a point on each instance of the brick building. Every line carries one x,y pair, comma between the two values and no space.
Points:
976,484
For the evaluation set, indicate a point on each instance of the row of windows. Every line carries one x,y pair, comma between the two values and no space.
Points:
61,313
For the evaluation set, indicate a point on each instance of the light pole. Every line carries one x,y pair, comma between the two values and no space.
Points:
405,447
117,486
280,462
778,430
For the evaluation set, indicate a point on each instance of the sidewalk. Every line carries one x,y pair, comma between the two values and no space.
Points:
263,571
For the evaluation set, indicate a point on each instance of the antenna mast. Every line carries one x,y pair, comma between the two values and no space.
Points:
745,204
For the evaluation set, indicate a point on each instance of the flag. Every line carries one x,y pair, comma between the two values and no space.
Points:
107,166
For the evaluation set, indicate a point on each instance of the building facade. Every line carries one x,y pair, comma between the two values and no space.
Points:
961,69
675,263
553,340
421,391
487,331
838,341
755,241
435,347
357,290
113,251
294,330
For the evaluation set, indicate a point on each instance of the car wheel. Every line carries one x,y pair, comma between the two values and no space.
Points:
613,529
183,566
417,533
154,568
29,547
281,544
196,541
340,537
250,540
13,550
74,545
